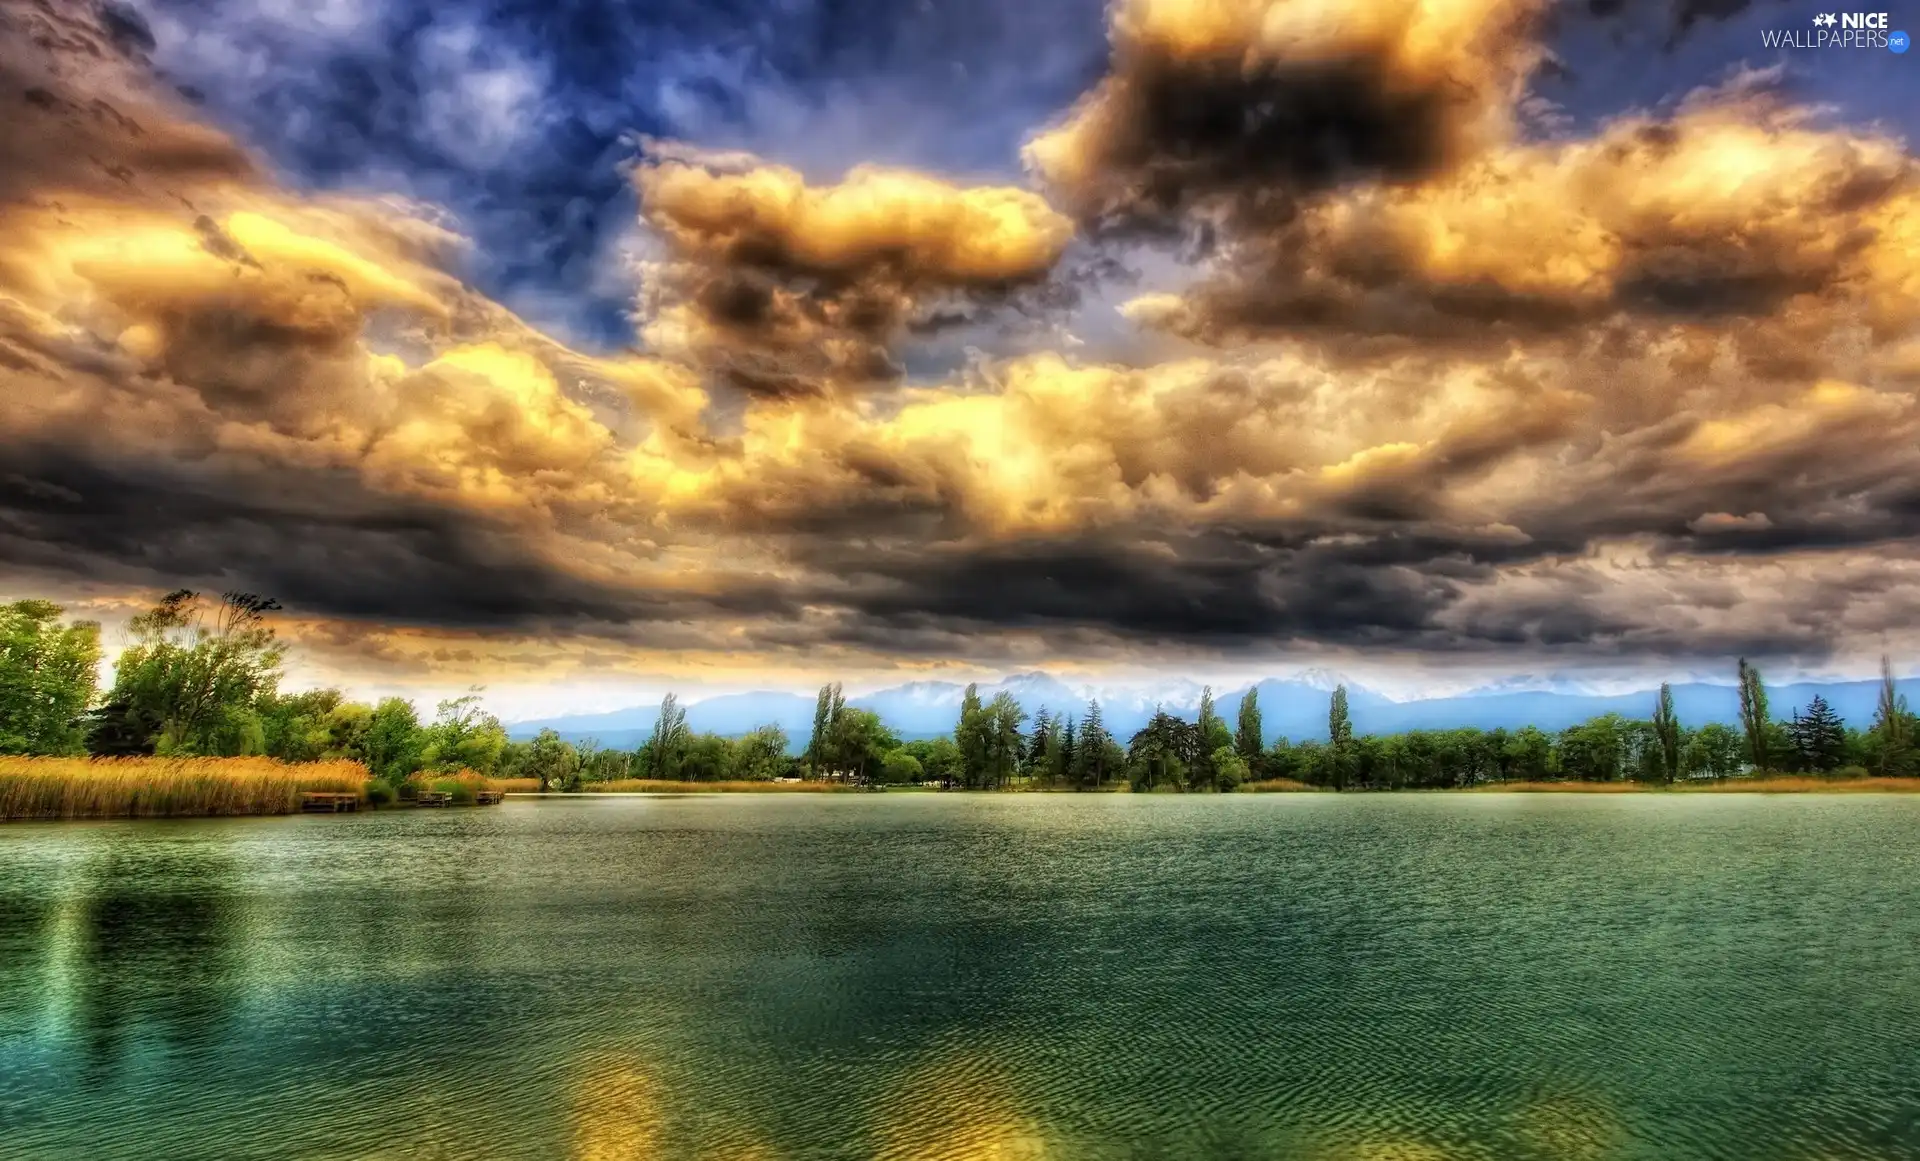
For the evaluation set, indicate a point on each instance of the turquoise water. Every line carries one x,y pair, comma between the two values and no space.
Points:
1330,978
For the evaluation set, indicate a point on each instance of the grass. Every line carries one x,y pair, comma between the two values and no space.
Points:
55,788
1274,785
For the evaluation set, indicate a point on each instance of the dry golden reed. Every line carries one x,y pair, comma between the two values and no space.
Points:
1773,784
51,788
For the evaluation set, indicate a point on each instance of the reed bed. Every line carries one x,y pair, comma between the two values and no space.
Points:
1771,784
1275,786
56,788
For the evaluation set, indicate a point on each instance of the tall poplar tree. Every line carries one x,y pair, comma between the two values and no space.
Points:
1890,722
1753,714
1666,728
1246,737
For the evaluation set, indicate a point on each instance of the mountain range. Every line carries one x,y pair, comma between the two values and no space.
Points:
1294,707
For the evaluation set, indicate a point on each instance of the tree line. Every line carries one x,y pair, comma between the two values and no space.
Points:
202,677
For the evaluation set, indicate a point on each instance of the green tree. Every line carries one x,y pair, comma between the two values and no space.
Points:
299,727
1712,751
1753,715
900,768
938,757
48,674
1339,723
463,736
1891,725
1246,734
395,744
1213,736
669,741
1818,737
192,678
858,742
823,708
1162,752
1593,751
551,759
1229,768
971,734
759,755
1003,718
1666,728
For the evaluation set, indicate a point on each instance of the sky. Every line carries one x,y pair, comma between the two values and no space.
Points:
583,350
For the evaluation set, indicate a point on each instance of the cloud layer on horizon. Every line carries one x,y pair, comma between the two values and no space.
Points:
1439,385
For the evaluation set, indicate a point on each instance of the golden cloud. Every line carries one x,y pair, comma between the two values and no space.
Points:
1608,381
791,289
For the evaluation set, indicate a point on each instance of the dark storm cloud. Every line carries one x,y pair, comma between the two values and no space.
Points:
1207,119
1658,398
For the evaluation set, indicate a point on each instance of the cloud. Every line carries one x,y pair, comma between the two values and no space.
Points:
1506,398
1220,114
786,288
1731,209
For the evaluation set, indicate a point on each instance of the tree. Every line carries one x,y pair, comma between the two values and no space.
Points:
669,739
551,759
394,743
1229,768
1339,724
1712,751
900,768
939,758
1666,729
858,742
48,674
823,708
191,680
1891,723
1340,757
1753,715
1162,752
1818,737
1593,750
1246,735
1213,736
971,735
759,756
463,736
1003,717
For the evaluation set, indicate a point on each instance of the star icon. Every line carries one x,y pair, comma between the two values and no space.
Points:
1826,18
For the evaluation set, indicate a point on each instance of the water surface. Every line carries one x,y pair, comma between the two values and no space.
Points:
1329,978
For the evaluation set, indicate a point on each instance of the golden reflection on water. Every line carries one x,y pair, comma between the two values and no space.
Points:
1569,1128
616,1111
617,1114
958,1108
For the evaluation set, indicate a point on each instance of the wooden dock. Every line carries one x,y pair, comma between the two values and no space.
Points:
328,801
488,797
434,798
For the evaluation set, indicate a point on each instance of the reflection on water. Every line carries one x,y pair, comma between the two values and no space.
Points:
931,978
956,1109
157,949
616,1112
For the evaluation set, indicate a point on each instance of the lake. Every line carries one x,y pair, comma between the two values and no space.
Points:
920,976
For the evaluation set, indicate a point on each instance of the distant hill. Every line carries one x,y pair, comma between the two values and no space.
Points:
1295,707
